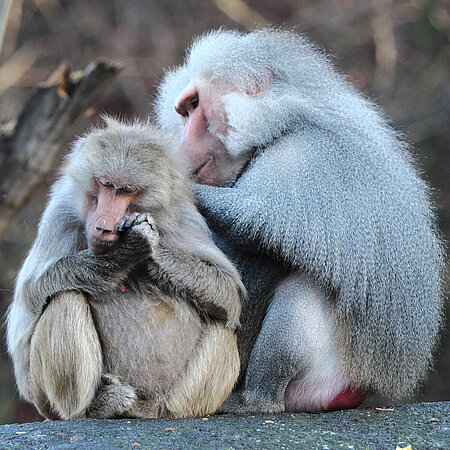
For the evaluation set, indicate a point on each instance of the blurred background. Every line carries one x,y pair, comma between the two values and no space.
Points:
395,51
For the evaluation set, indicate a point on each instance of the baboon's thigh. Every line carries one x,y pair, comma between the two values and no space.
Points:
65,357
209,377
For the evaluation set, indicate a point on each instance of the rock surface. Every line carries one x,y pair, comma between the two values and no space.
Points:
421,426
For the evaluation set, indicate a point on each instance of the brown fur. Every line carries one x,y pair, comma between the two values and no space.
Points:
142,328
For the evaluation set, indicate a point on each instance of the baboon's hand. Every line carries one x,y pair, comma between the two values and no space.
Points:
136,243
138,226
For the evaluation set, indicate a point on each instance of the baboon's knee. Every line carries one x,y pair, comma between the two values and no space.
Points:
66,357
220,352
210,375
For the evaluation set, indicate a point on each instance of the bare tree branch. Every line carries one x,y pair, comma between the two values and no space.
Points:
30,147
5,9
241,13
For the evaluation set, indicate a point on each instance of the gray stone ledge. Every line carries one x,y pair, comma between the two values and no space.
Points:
422,426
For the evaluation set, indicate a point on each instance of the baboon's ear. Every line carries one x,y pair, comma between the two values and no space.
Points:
260,83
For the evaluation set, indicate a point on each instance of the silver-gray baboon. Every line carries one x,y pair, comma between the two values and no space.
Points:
317,201
124,305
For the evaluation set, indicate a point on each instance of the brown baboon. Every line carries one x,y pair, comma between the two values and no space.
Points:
124,305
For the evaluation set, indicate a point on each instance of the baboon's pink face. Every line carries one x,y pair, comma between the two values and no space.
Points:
106,204
204,119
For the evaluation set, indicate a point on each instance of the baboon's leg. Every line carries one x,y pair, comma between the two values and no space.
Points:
201,388
65,357
42,404
207,381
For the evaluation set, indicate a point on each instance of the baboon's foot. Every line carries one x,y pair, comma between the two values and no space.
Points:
114,399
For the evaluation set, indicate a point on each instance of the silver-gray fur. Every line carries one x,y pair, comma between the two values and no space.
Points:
330,190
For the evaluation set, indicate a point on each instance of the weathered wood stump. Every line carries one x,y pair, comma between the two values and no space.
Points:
31,145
